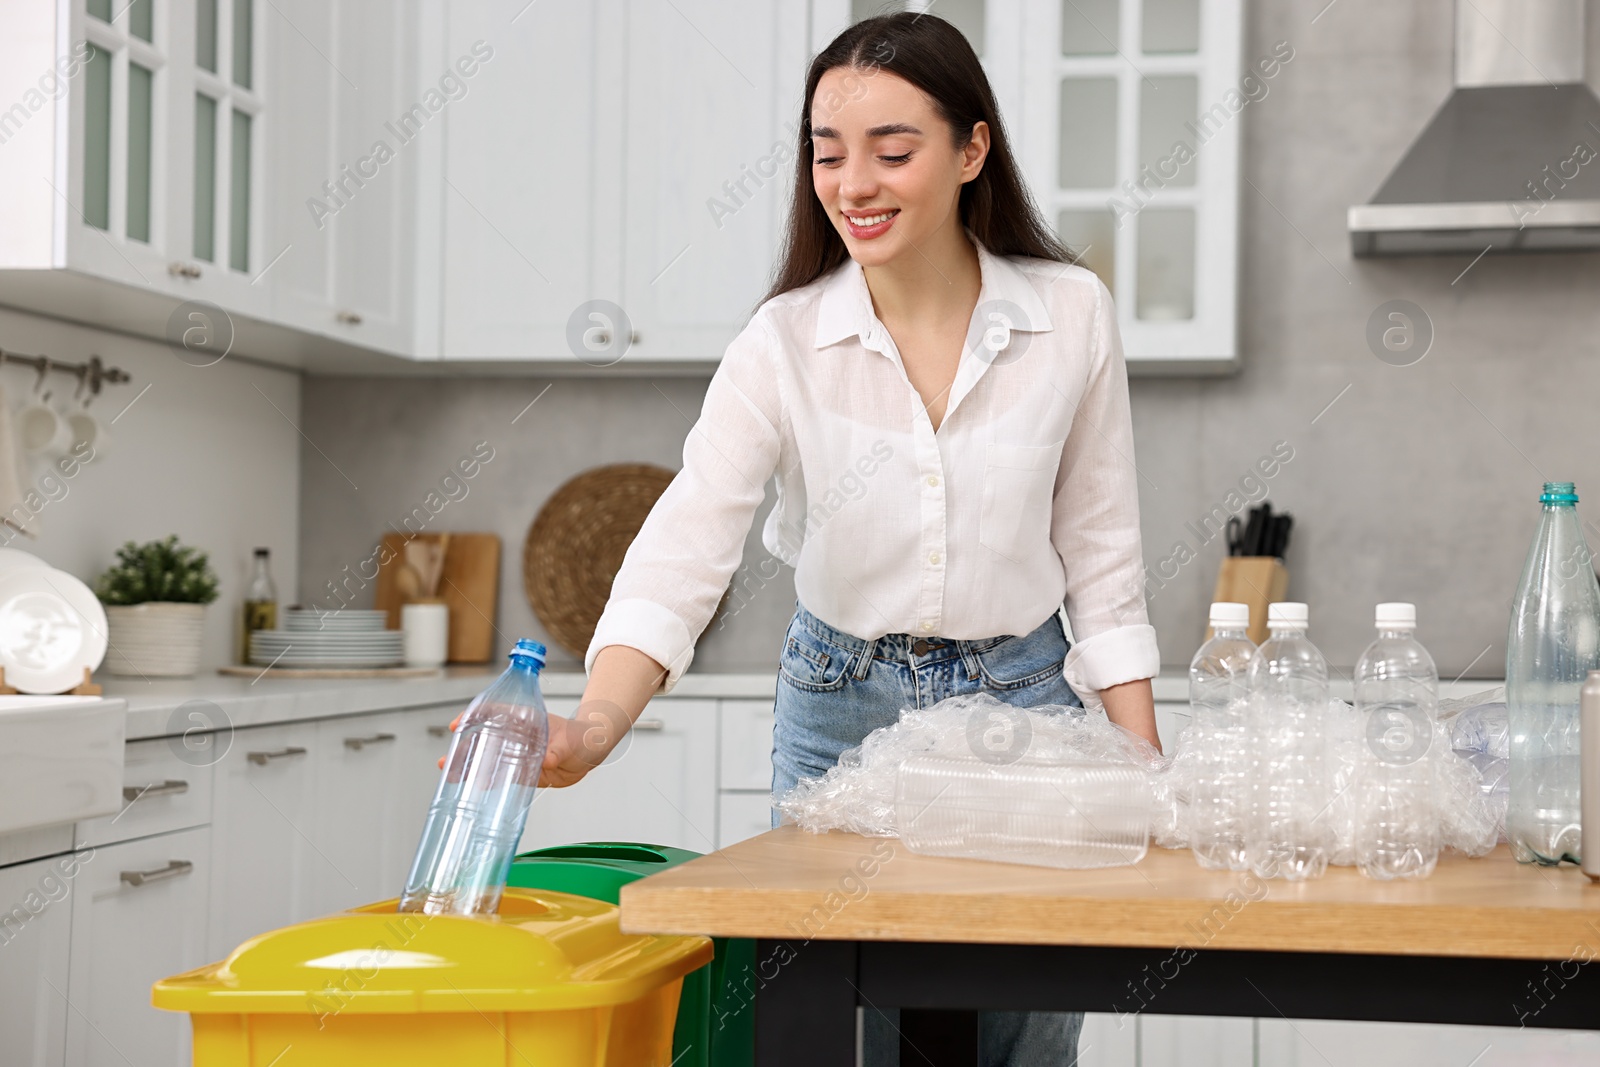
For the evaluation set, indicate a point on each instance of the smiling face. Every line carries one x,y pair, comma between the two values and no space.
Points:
884,167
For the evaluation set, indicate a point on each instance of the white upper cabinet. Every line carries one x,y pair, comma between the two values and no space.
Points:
138,160
532,184
1131,131
634,157
345,160
714,94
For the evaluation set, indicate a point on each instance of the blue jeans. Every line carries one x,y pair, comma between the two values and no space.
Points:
835,688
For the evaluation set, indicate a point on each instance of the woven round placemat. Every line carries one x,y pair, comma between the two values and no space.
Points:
576,544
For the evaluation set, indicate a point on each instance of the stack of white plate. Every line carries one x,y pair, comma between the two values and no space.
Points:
311,638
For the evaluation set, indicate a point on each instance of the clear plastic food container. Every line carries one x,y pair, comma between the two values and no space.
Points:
1075,815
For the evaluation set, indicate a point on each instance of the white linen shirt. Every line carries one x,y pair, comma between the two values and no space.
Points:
1024,499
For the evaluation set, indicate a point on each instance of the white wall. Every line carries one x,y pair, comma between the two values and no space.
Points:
202,454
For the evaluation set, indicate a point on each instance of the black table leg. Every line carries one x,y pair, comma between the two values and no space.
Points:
805,1003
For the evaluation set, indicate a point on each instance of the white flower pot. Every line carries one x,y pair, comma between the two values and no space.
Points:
155,640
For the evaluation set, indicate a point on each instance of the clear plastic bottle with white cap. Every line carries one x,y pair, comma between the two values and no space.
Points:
1219,697
1289,833
1397,831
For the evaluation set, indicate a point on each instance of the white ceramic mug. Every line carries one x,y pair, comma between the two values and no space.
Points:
89,435
42,430
426,629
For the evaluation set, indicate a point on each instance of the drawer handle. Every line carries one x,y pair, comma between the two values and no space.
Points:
160,874
438,731
649,724
349,318
261,759
170,787
358,743
183,270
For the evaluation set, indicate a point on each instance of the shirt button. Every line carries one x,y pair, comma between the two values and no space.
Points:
927,626
933,557
933,480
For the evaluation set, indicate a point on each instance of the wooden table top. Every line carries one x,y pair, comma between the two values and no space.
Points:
790,884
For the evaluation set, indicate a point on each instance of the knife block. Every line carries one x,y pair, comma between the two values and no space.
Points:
1253,580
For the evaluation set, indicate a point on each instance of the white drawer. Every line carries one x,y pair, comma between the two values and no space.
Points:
165,786
746,745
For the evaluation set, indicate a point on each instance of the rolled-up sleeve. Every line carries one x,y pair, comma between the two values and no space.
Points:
677,568
1095,527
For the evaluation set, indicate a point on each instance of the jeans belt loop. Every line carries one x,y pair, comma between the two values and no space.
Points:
864,659
969,658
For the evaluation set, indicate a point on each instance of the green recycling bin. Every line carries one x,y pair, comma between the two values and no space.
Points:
716,1024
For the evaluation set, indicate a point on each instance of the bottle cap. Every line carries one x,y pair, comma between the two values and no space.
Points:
1396,615
1559,493
526,649
1287,613
263,552
1227,615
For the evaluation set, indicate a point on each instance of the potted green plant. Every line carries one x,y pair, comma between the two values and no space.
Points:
155,596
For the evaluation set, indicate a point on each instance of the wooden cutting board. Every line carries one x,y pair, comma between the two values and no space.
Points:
470,588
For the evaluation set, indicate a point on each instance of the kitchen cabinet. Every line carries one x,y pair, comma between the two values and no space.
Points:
266,866
134,911
168,167
652,183
357,121
365,837
34,933
1304,1042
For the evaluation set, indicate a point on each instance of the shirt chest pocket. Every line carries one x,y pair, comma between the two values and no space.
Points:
1018,492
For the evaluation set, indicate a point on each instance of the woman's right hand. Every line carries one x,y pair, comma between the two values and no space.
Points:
577,745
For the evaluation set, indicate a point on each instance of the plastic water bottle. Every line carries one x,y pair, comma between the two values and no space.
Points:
1554,641
1219,698
1289,833
481,807
1397,699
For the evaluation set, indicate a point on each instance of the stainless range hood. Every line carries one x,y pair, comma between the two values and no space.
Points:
1511,162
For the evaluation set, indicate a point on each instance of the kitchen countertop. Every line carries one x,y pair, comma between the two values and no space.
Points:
167,706
162,707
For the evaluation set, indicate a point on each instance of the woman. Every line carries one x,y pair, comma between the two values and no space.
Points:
943,399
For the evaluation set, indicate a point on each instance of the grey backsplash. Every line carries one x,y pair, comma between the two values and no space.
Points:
1407,483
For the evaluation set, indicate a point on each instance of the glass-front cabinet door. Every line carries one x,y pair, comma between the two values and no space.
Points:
1132,132
162,189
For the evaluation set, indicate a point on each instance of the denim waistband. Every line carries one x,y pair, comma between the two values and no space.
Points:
897,646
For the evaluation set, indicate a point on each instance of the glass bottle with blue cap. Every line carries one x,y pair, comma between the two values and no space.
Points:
482,803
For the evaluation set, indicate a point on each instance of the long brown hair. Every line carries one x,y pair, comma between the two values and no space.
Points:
933,55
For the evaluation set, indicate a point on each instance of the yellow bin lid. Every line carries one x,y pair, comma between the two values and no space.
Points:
543,951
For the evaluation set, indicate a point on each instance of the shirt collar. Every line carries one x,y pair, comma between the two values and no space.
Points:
845,308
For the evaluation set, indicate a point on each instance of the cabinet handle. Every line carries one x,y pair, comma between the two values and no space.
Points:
170,787
649,724
349,318
183,270
160,874
358,743
261,759
438,731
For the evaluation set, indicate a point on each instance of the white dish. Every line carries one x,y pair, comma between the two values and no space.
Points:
51,628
